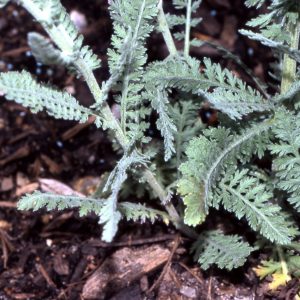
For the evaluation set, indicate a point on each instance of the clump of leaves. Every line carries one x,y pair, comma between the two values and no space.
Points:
207,167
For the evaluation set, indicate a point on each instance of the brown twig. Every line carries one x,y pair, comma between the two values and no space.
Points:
8,204
20,153
209,288
70,133
15,52
45,274
137,242
175,278
191,272
6,246
167,265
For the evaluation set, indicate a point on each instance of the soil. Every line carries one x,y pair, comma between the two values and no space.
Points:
55,255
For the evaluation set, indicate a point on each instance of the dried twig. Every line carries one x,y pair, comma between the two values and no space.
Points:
167,265
137,242
201,281
45,274
8,204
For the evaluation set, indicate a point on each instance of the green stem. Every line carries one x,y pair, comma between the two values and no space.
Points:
162,195
289,64
283,263
106,112
188,28
165,30
288,77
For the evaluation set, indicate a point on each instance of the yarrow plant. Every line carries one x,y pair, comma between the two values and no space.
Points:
208,167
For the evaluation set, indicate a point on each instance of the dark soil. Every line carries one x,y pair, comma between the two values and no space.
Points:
52,255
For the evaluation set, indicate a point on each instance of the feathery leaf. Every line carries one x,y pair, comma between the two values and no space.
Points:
246,197
287,161
229,95
210,155
225,251
23,89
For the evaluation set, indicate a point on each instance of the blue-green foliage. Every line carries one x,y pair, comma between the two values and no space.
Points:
274,26
230,94
133,23
23,89
180,20
87,205
212,167
225,251
59,26
285,148
209,158
248,198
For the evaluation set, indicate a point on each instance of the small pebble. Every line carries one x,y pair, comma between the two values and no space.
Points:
78,19
188,292
213,12
49,242
59,144
151,132
50,72
91,159
10,67
15,13
7,184
38,71
250,51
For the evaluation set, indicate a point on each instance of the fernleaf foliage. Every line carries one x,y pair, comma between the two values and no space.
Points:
286,164
225,251
209,158
204,167
230,94
178,21
247,198
22,88
86,205
44,51
133,23
58,24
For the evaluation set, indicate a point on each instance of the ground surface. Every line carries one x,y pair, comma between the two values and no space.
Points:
59,256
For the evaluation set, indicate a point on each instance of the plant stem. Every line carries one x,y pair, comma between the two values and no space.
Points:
289,64
165,30
288,77
162,195
188,28
283,263
106,112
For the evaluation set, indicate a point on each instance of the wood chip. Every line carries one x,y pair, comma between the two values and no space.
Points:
123,268
61,265
2,121
20,153
86,185
70,133
27,189
21,179
4,225
57,187
53,166
7,184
